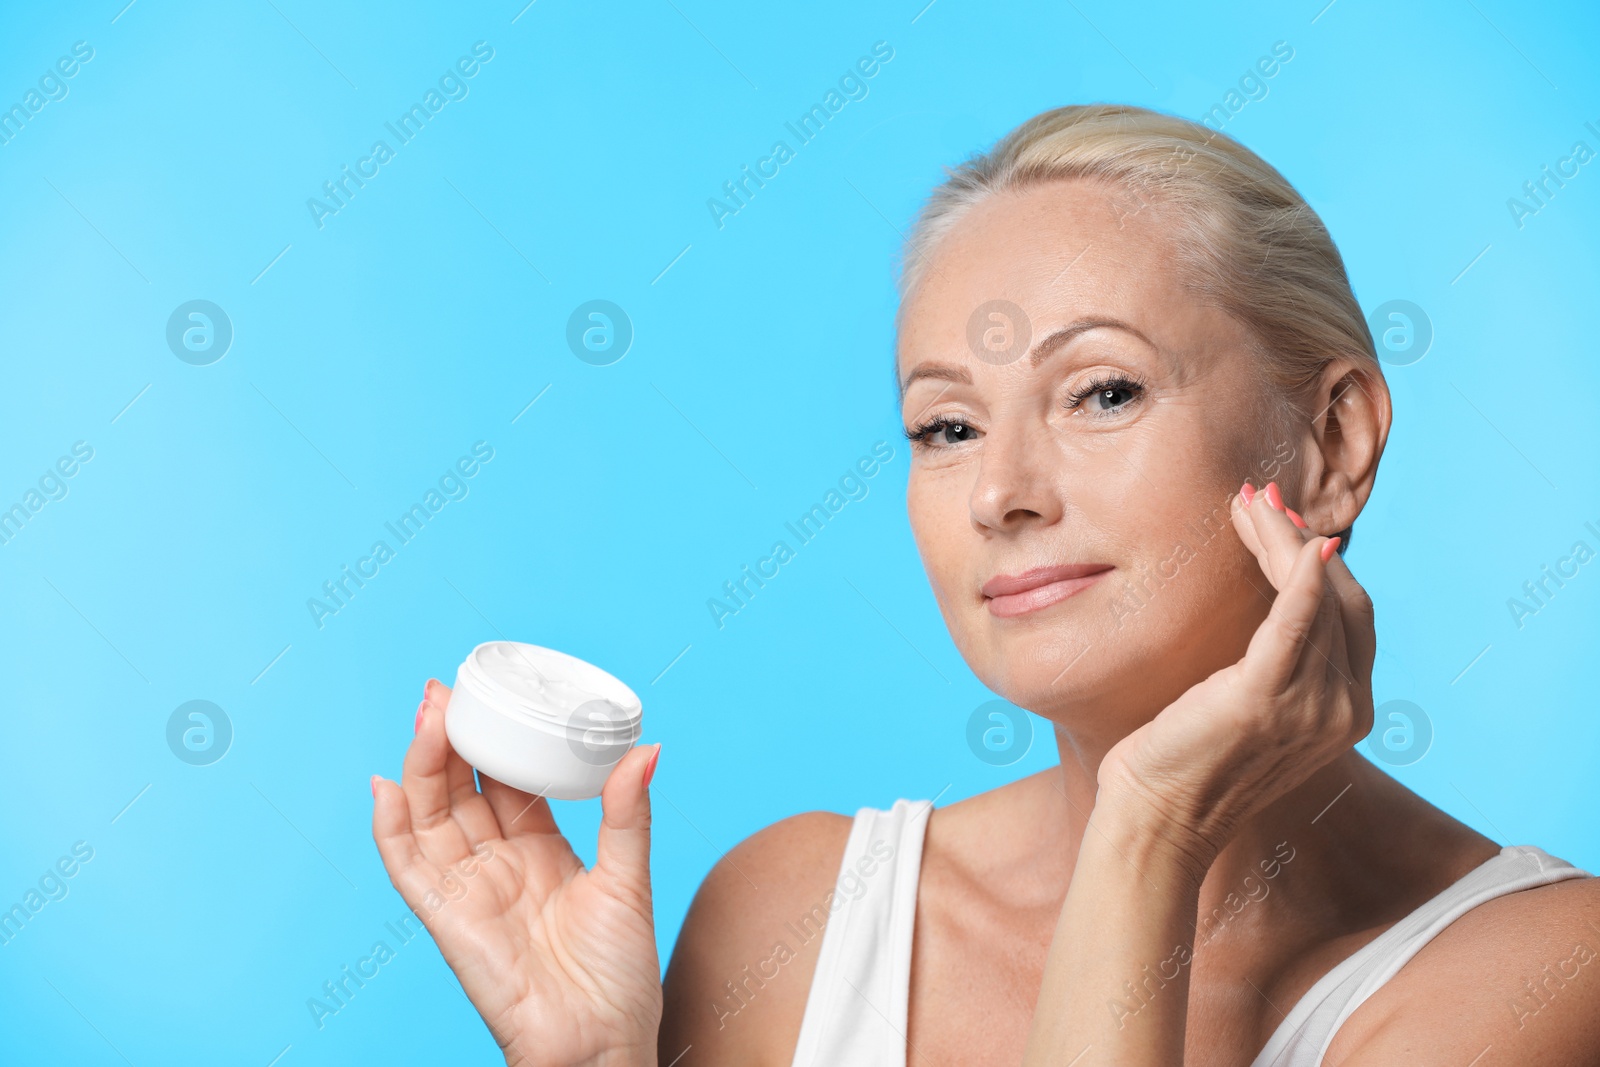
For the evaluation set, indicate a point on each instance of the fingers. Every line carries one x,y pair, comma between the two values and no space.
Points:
1277,534
1338,670
1322,661
409,870
467,806
1244,525
1279,643
445,819
1355,609
1279,537
457,771
623,850
423,776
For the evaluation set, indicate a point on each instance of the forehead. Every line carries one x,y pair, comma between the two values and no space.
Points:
1060,251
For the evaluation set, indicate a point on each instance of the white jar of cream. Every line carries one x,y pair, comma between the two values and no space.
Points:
540,720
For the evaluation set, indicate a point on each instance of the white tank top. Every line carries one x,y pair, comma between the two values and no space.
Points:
856,1011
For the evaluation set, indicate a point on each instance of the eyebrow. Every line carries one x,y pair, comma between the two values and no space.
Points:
951,372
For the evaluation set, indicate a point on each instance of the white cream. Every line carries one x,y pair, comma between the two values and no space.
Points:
543,684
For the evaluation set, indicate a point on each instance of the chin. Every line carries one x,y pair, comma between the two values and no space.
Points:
1089,654
1039,659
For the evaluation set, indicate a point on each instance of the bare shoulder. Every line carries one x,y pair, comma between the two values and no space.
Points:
1515,980
736,988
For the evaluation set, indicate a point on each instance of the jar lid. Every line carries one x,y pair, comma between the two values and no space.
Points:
533,682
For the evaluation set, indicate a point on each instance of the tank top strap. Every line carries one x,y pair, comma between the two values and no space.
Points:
1303,1037
855,1013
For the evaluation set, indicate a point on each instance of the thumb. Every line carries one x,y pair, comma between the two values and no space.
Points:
622,853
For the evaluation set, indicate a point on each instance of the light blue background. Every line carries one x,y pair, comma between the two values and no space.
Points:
428,313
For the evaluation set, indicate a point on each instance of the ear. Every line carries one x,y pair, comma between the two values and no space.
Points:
1346,435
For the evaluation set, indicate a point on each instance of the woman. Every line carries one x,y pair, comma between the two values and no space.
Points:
1145,411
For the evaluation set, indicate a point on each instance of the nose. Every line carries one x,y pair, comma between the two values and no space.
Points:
1015,485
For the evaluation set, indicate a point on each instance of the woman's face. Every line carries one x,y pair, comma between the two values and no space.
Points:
1081,409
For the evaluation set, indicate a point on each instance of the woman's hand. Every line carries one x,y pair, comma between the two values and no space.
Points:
1176,790
1254,730
559,961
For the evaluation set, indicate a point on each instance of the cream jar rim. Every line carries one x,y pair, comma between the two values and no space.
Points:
507,701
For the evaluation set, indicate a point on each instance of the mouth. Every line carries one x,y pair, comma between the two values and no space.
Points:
1010,595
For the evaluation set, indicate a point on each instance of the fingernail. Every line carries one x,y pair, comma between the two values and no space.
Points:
374,787
1247,493
417,725
650,768
1294,517
1329,548
1274,498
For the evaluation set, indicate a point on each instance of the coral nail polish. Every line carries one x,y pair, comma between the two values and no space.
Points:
1274,497
1294,517
1329,549
417,725
650,768
1247,493
374,787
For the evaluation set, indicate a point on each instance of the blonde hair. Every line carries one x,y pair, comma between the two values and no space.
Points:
1245,240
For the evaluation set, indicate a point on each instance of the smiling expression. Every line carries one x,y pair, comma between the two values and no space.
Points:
1108,451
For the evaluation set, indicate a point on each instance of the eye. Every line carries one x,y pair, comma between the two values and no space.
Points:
940,432
1106,396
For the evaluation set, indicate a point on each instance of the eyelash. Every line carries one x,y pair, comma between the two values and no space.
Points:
1114,381
939,423
1136,386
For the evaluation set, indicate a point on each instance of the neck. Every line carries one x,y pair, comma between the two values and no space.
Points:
1333,818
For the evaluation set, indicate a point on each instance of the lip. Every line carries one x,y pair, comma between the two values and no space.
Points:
1009,595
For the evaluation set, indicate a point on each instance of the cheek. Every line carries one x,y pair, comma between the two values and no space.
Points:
1182,567
934,509
1131,500
1189,592
1178,475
